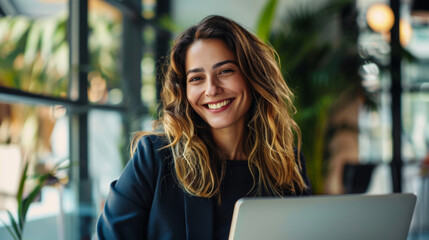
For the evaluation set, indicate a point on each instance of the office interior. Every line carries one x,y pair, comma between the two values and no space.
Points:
78,78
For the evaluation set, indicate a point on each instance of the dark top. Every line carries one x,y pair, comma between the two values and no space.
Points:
146,202
236,184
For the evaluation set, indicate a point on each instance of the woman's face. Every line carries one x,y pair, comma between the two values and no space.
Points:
215,86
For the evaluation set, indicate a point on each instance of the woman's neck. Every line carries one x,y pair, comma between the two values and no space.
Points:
230,142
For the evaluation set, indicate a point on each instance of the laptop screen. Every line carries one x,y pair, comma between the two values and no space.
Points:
370,217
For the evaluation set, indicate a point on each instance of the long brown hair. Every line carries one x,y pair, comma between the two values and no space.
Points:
270,133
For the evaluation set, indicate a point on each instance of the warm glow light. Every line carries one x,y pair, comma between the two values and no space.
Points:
405,32
380,17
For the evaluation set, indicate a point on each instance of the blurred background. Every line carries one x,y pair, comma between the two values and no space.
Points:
77,78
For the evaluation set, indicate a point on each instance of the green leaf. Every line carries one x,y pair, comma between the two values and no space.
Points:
9,229
18,28
20,193
22,182
46,38
33,40
14,224
167,23
33,194
266,19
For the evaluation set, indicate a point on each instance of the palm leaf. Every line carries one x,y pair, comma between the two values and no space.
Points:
167,23
314,68
266,19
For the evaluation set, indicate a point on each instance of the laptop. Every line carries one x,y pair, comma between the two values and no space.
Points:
369,217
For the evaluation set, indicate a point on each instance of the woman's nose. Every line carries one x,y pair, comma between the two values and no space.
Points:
213,88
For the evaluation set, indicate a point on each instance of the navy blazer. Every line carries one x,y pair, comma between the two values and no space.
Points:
148,203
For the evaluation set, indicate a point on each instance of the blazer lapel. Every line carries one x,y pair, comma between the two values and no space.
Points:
198,217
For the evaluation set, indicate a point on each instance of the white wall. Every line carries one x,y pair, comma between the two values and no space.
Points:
246,12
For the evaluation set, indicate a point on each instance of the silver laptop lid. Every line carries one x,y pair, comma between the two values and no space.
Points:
370,217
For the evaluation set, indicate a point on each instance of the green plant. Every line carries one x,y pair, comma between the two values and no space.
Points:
315,68
34,54
17,225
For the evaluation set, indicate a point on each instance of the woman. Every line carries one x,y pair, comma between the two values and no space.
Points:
227,133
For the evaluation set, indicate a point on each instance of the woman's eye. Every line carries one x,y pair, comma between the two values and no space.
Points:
193,79
224,71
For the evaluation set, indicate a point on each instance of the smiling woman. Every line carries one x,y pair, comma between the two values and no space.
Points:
217,91
227,133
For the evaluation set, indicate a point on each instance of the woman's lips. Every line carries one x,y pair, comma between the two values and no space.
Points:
219,105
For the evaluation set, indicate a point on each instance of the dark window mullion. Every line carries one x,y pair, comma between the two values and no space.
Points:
396,99
79,62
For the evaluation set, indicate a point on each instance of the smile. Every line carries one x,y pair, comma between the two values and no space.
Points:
219,105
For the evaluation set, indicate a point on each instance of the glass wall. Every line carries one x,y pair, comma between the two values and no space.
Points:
376,139
34,53
69,105
105,30
34,60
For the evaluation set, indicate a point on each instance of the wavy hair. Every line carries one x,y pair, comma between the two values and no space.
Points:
270,134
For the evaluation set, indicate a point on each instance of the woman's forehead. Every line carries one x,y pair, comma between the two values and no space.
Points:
207,51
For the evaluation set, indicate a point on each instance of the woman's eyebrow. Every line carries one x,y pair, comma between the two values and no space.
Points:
222,63
195,70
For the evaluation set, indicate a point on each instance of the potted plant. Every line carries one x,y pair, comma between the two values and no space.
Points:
17,224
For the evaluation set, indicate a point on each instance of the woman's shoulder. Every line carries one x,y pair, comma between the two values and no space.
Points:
157,139
152,147
150,139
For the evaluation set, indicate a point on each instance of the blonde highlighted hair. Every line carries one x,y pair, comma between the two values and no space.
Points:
270,134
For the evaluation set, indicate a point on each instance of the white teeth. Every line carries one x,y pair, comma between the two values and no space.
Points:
219,104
